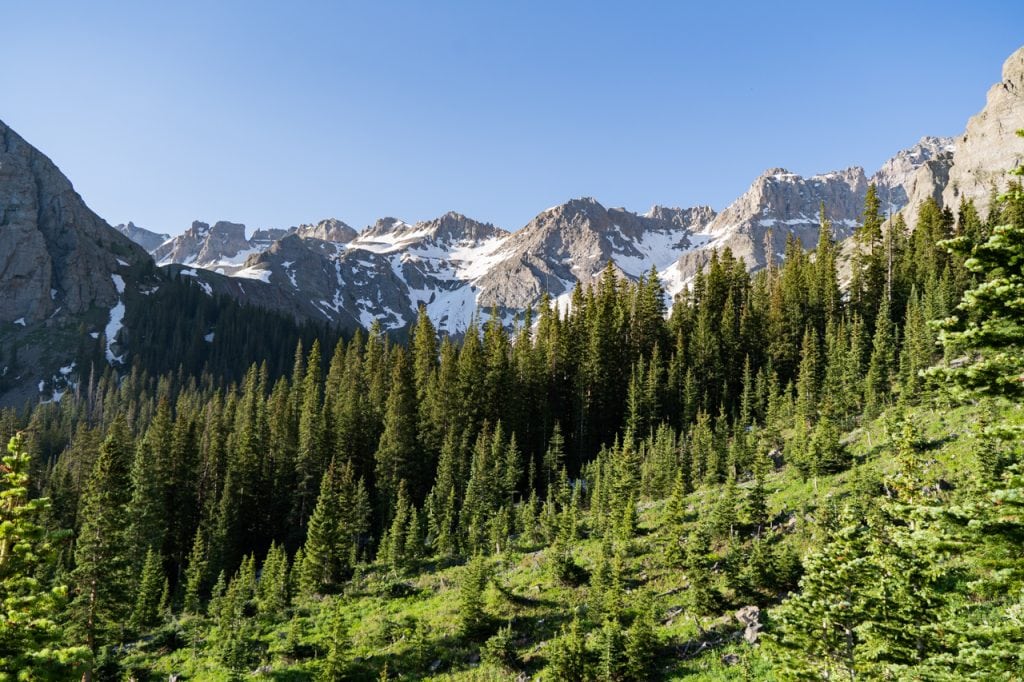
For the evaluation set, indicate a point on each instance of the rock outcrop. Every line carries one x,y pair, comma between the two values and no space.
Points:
147,239
777,205
55,253
224,244
329,230
573,242
693,219
903,180
989,147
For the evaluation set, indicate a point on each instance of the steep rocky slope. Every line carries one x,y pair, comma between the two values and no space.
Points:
147,239
989,147
55,253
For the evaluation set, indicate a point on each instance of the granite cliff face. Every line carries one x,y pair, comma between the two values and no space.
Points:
777,205
222,245
898,178
989,147
55,253
329,230
147,239
574,241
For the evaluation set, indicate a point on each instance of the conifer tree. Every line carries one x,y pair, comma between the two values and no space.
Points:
476,575
32,646
311,453
567,654
757,495
102,574
554,456
320,571
195,574
878,382
335,667
147,599
641,643
272,591
397,451
612,661
150,474
988,320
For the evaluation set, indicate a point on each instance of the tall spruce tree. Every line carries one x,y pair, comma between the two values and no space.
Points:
32,645
103,575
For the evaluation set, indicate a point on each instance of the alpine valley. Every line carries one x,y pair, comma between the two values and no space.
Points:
782,440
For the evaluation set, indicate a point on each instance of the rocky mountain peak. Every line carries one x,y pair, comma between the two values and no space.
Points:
328,230
989,147
384,226
454,227
147,239
896,180
201,244
55,253
693,219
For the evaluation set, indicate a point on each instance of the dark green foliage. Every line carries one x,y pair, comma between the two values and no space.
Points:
988,320
148,594
607,452
103,575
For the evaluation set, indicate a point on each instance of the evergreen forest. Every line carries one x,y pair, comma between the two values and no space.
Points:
815,471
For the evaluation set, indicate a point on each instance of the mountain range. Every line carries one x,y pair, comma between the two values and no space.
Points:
63,269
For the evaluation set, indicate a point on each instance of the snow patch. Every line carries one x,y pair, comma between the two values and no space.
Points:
118,283
209,337
113,327
253,272
20,321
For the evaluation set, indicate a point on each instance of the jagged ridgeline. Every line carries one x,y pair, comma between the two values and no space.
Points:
588,497
764,480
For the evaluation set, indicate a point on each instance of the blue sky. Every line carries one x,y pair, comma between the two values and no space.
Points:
274,114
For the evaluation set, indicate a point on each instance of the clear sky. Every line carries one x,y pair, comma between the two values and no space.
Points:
273,114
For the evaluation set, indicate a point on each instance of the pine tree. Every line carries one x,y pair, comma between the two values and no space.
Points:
554,456
147,600
612,662
335,667
272,591
757,495
567,654
311,452
195,575
150,474
397,450
320,571
476,575
641,643
878,382
701,596
988,320
32,646
102,574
